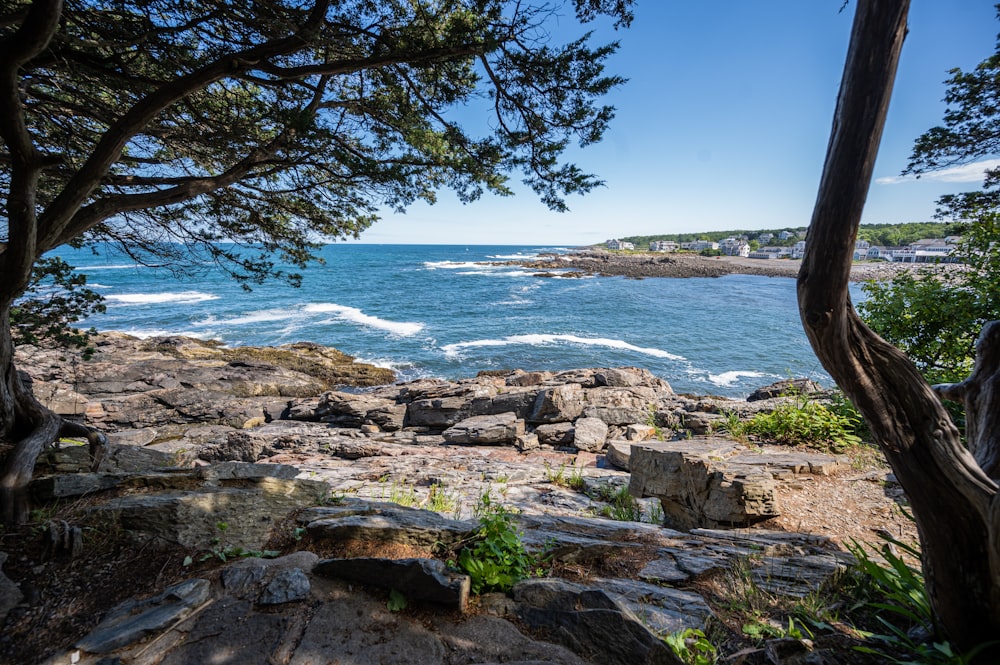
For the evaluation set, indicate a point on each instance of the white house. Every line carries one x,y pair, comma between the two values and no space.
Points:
785,235
699,245
798,249
619,244
663,246
771,253
734,247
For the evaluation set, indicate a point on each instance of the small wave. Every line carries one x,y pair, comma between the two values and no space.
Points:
262,316
145,333
497,273
513,257
540,340
727,379
181,297
117,266
355,315
451,265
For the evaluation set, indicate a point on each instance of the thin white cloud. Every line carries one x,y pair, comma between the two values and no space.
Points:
964,173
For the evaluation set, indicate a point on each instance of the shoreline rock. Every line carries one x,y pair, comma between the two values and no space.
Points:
596,262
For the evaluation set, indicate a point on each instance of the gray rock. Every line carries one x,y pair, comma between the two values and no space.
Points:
663,609
620,406
10,593
555,434
425,580
695,491
562,403
386,523
784,388
438,413
486,430
637,432
618,453
589,621
135,620
526,442
285,587
590,434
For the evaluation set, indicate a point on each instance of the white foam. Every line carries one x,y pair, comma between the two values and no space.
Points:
513,257
181,297
727,379
543,339
145,333
355,315
451,265
497,273
262,316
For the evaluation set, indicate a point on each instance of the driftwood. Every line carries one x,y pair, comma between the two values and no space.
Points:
954,499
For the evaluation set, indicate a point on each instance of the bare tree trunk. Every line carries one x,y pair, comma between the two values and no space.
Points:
26,423
954,501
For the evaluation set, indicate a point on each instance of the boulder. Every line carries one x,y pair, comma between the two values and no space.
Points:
555,434
694,490
620,406
486,430
590,434
562,403
439,413
636,432
425,580
785,388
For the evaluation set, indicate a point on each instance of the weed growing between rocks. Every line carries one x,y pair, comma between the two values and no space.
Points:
834,428
497,558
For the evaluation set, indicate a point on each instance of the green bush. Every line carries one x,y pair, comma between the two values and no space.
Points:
498,559
803,422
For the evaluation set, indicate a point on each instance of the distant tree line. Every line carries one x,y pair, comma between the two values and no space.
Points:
887,235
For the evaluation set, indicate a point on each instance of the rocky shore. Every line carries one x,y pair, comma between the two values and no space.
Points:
639,265
251,503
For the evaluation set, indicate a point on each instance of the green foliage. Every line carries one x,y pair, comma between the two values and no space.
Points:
802,422
573,481
622,506
203,131
692,647
397,601
56,298
934,318
895,591
497,559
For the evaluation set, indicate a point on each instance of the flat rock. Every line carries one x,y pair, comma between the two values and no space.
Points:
425,580
502,428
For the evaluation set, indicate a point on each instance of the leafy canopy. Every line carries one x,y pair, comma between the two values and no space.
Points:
170,126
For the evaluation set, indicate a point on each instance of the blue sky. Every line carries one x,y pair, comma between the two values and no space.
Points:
724,124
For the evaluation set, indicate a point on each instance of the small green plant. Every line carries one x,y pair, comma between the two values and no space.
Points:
497,559
895,591
801,422
558,477
441,501
692,647
622,506
397,601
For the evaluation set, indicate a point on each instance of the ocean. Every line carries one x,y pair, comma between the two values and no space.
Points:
450,311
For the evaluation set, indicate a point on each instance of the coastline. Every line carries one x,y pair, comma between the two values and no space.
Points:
641,265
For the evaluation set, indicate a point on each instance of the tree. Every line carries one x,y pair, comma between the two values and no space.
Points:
952,489
173,126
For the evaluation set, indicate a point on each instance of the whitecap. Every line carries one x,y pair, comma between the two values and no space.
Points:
727,379
543,339
513,257
355,315
451,265
145,333
180,297
497,273
261,316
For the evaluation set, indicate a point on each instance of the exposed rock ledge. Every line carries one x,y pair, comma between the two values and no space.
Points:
189,437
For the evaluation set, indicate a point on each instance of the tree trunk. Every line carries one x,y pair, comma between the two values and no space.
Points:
954,501
24,422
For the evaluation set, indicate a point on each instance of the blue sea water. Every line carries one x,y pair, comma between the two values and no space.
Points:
450,311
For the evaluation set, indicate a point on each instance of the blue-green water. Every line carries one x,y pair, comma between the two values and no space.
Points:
437,311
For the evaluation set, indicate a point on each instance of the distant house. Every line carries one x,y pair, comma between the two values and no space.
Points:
771,253
765,238
699,245
785,235
861,250
876,252
619,244
663,246
799,249
734,247
926,250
